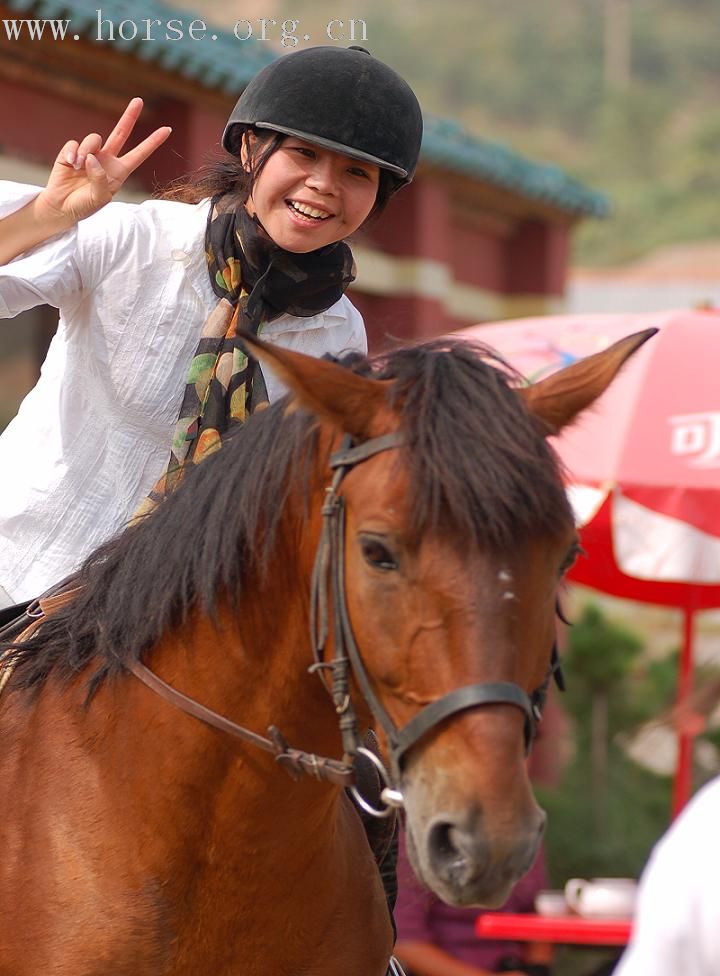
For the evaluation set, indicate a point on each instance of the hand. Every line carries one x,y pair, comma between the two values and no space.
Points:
87,175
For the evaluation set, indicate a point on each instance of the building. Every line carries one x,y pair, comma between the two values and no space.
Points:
481,234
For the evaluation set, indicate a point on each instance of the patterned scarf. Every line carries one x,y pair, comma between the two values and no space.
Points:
255,281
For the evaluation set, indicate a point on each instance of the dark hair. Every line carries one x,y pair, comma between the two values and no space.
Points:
225,173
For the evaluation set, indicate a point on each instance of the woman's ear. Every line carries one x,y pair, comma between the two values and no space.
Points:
247,146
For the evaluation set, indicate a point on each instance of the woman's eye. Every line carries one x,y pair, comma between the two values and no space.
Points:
378,555
360,172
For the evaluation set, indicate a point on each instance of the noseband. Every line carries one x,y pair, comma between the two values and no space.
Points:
328,579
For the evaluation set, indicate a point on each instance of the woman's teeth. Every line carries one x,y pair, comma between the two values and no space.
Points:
306,211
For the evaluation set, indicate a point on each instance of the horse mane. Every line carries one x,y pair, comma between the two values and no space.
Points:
479,469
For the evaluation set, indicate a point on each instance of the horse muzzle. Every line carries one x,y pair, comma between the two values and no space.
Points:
463,857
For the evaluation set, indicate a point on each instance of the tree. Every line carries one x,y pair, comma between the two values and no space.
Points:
600,658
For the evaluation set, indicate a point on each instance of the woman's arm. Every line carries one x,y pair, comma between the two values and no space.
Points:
27,227
85,176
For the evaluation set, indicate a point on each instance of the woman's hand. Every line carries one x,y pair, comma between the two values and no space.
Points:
85,177
88,174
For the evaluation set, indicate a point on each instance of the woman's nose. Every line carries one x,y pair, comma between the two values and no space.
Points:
323,176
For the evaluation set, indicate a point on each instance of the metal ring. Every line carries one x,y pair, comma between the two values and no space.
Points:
391,796
395,968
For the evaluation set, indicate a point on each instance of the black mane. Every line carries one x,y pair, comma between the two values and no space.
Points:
479,469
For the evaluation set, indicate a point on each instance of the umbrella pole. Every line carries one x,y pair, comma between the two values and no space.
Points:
682,784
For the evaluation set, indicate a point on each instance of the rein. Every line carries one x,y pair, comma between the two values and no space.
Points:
294,761
328,580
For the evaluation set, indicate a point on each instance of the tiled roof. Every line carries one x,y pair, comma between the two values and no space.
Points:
447,144
227,64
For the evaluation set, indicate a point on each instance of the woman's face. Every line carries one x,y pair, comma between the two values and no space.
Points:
306,196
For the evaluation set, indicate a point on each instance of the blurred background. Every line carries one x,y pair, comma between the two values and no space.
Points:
570,164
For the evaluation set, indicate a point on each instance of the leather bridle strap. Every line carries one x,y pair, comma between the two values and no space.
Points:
470,696
295,761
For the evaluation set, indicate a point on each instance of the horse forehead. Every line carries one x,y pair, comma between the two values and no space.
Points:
383,481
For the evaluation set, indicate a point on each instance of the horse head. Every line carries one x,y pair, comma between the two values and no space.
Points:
455,545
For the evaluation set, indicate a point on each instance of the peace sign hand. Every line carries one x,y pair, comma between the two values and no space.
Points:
87,175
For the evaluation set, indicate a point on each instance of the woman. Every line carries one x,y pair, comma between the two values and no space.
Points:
150,295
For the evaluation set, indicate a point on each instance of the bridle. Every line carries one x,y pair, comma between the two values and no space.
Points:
328,581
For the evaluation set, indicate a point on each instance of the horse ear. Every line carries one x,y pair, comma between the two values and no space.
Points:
348,401
558,399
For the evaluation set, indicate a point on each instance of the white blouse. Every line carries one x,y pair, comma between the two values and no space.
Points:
93,436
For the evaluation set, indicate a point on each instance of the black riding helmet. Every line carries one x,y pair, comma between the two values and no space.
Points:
343,99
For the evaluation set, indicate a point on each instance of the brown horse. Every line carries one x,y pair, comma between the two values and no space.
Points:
136,840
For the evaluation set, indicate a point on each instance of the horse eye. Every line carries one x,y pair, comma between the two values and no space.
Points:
378,555
575,550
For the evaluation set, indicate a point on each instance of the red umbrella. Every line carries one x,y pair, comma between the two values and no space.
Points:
644,465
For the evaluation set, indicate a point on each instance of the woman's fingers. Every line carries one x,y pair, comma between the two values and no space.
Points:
125,124
99,181
132,159
90,144
107,154
88,173
68,153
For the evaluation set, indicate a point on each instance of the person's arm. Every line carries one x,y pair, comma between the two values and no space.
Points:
426,959
85,176
25,229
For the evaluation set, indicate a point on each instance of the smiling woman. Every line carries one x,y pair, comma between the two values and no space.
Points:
307,197
147,371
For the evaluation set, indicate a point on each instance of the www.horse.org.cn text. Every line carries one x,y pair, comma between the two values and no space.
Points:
288,33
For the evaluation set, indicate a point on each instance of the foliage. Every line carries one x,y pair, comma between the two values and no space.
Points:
605,658
601,654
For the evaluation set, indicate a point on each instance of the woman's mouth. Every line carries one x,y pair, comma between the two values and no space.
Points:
306,213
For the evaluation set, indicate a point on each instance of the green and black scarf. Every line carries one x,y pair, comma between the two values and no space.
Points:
255,281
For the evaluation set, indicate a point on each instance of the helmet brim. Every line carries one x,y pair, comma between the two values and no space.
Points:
317,141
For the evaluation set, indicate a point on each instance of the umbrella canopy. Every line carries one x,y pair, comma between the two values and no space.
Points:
644,464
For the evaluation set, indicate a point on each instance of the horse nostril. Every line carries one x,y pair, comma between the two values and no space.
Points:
445,847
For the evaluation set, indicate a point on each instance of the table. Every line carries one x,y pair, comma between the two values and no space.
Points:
566,929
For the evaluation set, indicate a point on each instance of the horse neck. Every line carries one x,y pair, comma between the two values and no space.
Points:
252,667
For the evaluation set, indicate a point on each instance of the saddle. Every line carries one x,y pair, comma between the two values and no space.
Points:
20,621
9,616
